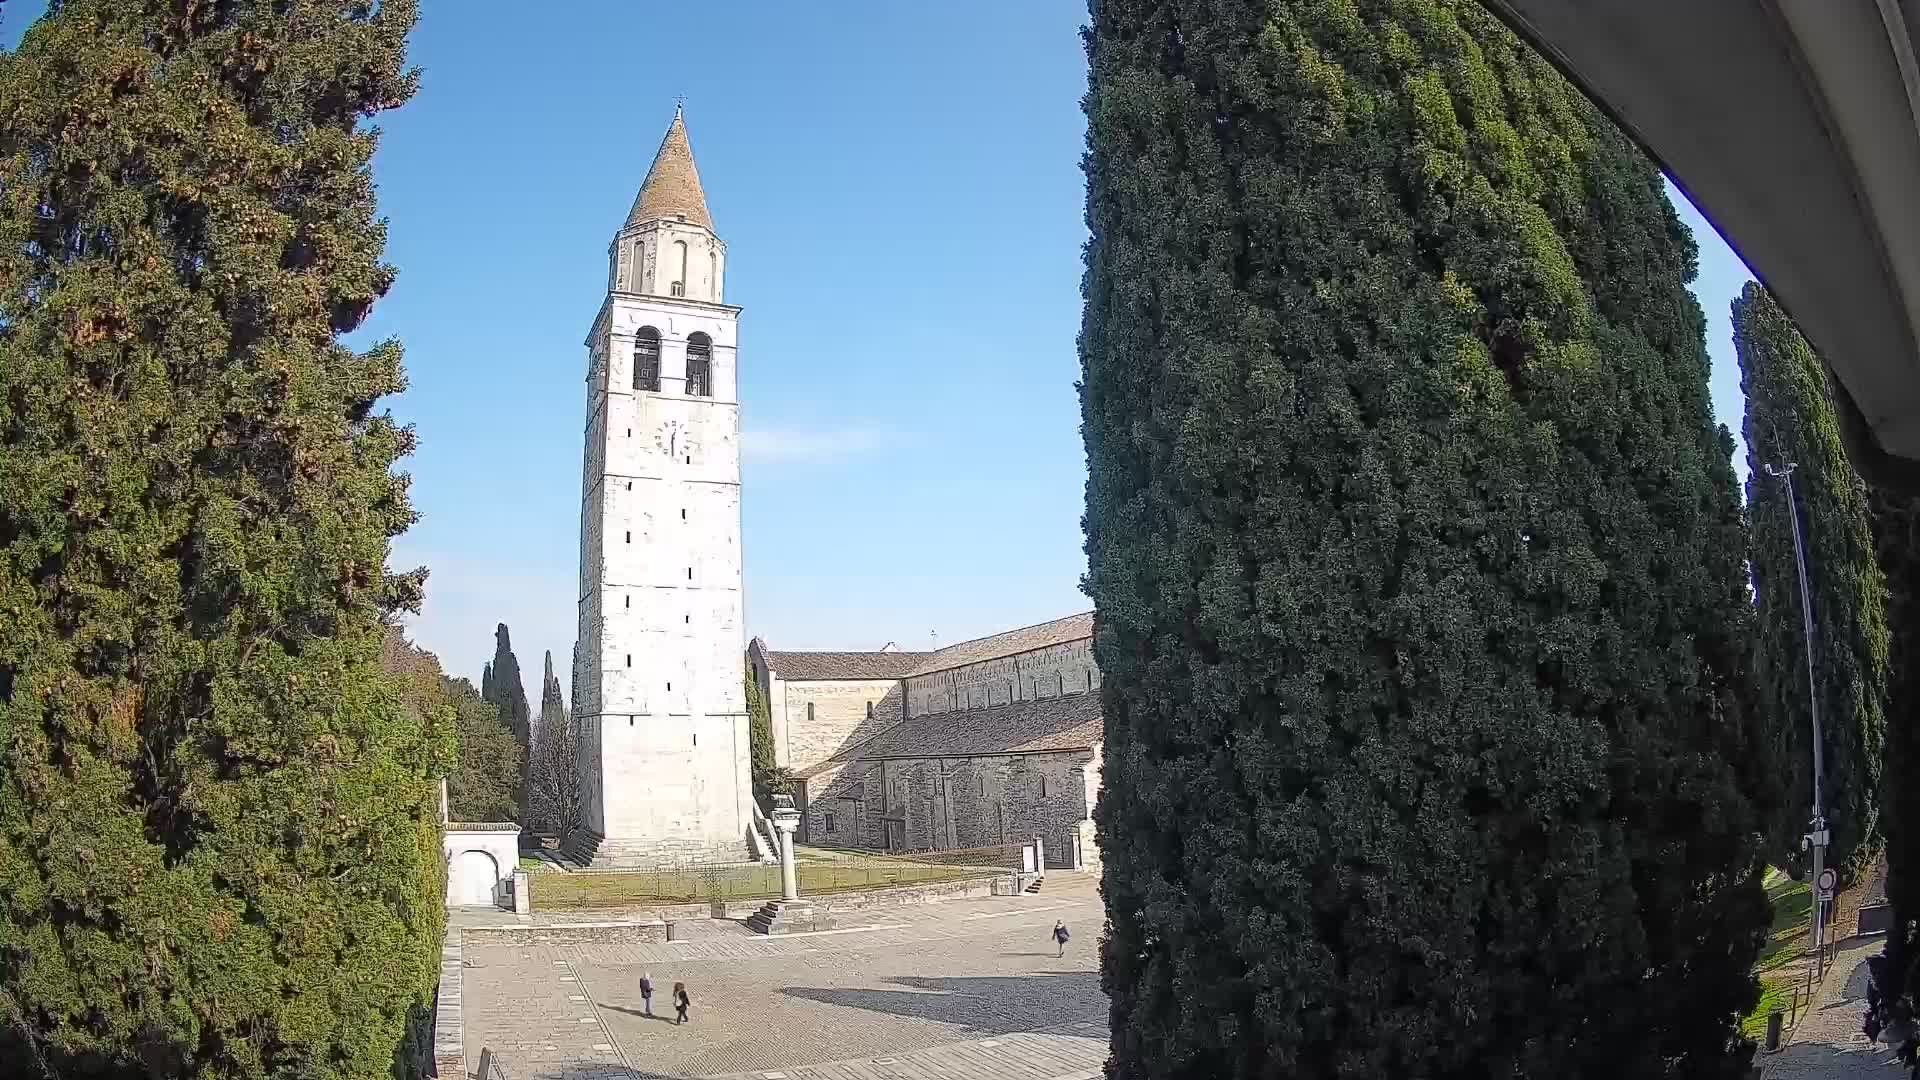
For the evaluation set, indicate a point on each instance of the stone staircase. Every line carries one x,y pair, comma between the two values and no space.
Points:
789,917
1034,885
759,830
586,849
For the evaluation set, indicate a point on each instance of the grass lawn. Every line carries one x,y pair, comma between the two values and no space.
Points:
558,891
532,862
1786,941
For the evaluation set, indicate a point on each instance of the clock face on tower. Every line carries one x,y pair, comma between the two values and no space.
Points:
675,440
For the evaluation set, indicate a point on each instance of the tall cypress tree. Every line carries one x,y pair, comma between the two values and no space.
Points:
1790,418
1896,533
510,698
553,707
553,785
509,693
219,849
1417,560
759,738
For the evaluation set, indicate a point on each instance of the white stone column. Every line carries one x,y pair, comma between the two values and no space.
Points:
786,822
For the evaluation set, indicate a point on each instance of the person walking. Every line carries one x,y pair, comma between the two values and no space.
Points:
646,992
680,1003
1060,936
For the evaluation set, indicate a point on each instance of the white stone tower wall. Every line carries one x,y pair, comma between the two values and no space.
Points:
665,763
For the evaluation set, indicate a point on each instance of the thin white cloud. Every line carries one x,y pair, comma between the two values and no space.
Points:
812,445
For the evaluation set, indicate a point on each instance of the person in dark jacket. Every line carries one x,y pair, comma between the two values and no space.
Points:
680,1003
1060,936
646,992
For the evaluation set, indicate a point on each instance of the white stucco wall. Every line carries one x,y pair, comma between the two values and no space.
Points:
499,843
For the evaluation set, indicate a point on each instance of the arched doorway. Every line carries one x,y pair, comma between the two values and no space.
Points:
479,877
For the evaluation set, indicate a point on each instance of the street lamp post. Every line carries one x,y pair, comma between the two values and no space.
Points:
1816,839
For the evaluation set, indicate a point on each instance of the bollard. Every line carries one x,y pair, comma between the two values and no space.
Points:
1774,1020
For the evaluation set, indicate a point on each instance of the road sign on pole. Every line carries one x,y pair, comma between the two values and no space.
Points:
1828,879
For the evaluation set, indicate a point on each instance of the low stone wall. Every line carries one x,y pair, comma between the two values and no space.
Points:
931,892
615,932
449,1031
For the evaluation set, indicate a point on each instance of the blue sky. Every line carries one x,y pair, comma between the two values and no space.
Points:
899,189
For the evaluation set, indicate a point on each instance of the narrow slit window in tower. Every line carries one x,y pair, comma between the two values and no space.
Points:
680,258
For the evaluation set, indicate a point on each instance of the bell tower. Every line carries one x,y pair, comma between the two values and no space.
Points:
659,694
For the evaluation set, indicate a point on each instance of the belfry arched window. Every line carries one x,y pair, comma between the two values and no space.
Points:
679,287
646,360
699,365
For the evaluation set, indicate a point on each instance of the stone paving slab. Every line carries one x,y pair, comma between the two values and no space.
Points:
974,984
1828,1044
1075,1052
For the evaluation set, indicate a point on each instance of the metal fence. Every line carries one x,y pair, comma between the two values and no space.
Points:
819,871
999,856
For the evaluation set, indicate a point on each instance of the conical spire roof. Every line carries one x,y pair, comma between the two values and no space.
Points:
673,184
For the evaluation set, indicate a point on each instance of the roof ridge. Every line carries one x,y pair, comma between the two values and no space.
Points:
1015,630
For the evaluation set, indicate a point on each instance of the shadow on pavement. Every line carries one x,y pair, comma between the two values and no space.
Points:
641,1013
599,1071
988,1005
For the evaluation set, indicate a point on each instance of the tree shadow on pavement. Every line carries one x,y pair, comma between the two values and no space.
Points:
987,1005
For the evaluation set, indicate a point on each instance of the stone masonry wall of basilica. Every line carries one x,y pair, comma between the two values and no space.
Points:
1042,673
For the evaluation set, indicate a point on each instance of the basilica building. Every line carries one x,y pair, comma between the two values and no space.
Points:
986,742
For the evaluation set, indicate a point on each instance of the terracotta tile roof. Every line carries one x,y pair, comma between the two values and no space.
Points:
813,666
1071,722
1025,639
672,187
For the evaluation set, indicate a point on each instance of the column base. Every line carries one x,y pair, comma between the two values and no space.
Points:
789,917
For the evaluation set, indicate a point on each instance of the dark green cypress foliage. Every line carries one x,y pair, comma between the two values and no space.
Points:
553,708
1417,559
487,762
219,849
1896,534
552,770
509,693
759,738
510,698
486,682
1790,419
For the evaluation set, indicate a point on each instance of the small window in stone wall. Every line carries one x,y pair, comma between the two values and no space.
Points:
830,827
869,710
1043,787
809,712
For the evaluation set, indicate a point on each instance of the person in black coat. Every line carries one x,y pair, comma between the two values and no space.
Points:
680,1003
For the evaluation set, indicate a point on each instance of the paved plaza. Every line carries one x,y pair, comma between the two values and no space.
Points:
1828,1043
962,988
